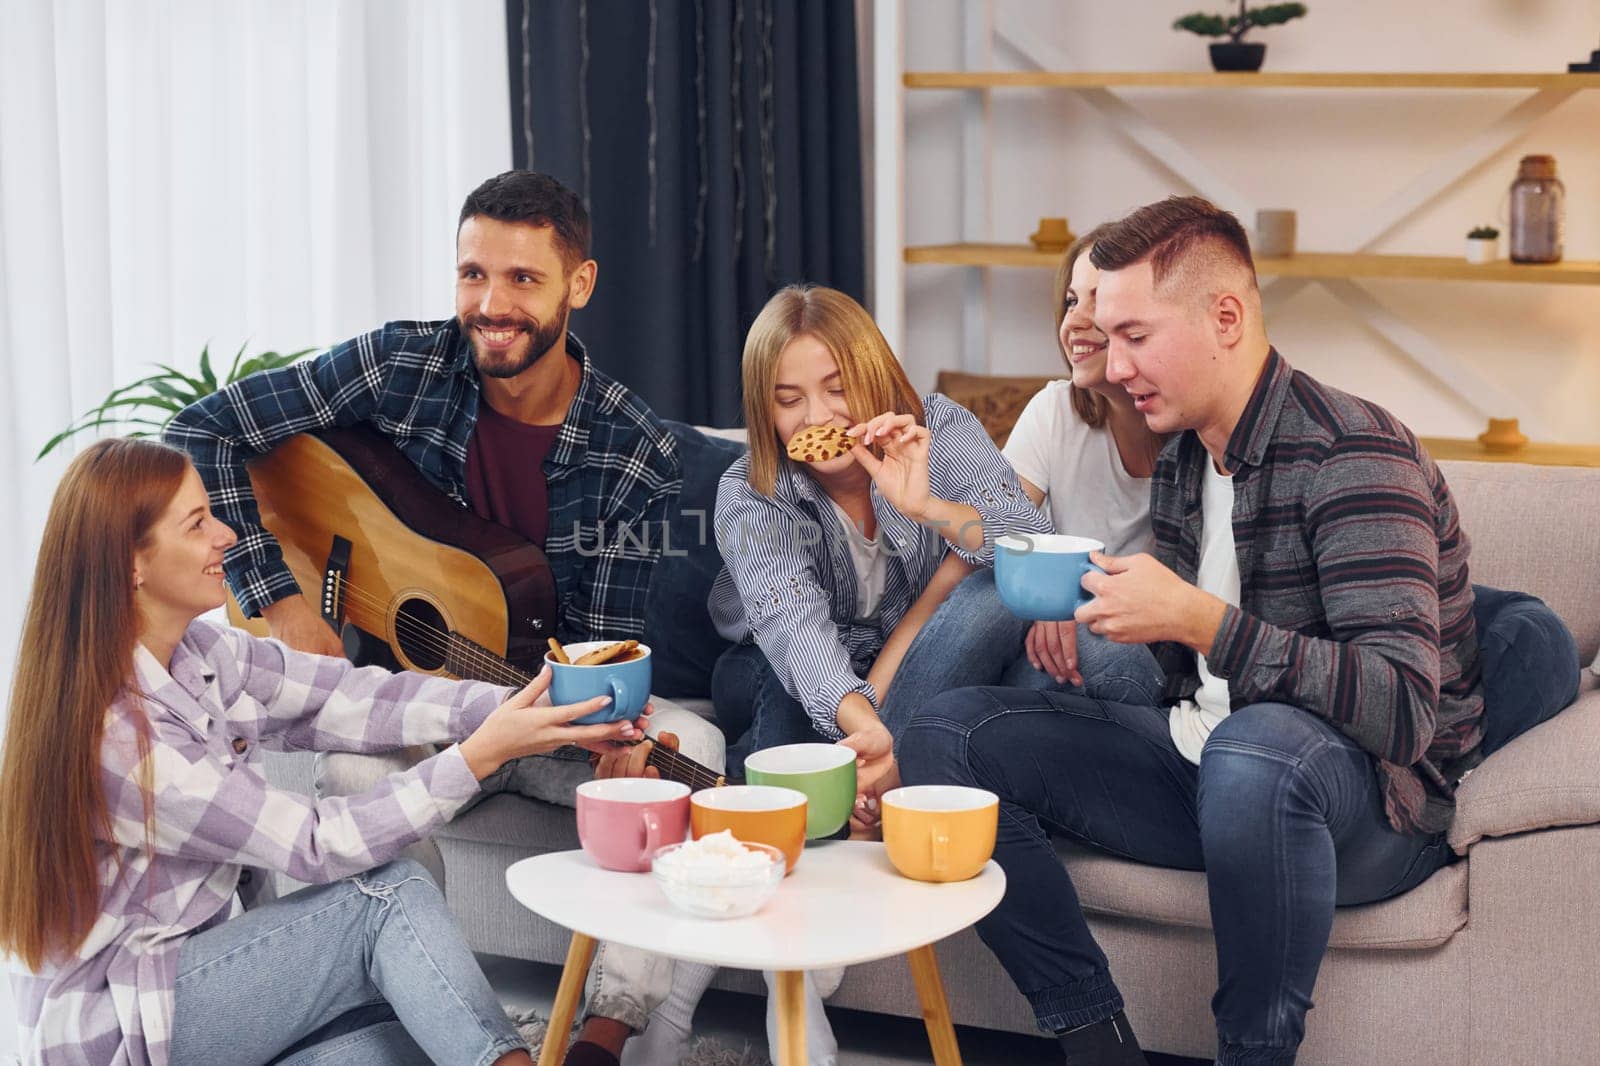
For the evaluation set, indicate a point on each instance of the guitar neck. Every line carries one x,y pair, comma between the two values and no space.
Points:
674,766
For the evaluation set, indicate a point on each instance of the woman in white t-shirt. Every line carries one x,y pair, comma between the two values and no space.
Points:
1082,452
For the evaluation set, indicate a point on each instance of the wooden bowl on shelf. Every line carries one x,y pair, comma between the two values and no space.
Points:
1502,436
1053,235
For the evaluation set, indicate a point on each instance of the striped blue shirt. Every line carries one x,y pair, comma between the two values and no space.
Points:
613,466
789,585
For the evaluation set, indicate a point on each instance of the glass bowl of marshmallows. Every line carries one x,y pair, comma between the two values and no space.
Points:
718,876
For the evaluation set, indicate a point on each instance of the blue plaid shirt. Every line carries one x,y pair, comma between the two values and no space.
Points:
613,467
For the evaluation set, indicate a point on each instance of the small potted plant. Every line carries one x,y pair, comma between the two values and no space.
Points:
1236,53
1483,244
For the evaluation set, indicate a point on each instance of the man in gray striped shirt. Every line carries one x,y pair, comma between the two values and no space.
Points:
1309,602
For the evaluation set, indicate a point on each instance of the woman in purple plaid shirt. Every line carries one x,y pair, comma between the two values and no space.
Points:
133,810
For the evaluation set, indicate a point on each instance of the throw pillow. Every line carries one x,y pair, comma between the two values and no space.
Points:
1529,662
677,622
997,401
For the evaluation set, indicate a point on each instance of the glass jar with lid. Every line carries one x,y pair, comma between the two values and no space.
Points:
1538,209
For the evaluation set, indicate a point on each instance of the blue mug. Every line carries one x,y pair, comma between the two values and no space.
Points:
1039,575
628,684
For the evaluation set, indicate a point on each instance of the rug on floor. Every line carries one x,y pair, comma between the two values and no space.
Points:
705,1051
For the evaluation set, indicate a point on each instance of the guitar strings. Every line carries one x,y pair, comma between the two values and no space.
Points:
428,637
498,670
494,668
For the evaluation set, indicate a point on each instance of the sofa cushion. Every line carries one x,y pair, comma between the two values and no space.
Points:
525,825
1532,529
1529,660
1546,777
997,401
677,622
1427,916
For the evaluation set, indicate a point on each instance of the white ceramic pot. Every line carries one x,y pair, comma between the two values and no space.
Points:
1483,249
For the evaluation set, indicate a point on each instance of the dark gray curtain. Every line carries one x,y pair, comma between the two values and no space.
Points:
717,144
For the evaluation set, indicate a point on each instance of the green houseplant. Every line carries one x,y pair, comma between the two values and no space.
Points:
149,403
1483,244
1237,53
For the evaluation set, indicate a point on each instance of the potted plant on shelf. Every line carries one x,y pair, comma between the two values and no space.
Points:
149,403
1483,244
1236,53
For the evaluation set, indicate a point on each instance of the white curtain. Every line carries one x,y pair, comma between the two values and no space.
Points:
173,173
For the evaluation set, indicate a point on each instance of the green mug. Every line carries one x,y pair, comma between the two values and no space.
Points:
826,773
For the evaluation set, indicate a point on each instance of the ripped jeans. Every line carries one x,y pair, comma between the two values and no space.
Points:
367,970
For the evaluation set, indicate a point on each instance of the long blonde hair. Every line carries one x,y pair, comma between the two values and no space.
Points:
1091,406
873,380
75,659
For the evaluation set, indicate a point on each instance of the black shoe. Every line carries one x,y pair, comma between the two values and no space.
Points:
1107,1043
584,1053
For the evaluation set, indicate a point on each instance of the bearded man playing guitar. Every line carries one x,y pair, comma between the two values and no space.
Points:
502,410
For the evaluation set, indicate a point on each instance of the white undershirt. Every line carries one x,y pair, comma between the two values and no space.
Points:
1193,720
1089,493
871,562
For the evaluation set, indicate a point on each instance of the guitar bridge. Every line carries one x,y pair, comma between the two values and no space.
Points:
335,575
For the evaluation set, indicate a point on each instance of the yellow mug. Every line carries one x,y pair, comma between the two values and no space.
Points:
755,814
940,832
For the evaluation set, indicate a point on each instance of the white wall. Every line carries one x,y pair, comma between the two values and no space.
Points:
1331,155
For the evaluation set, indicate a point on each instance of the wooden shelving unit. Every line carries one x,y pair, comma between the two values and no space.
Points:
1108,94
1205,79
1302,265
1532,452
1333,271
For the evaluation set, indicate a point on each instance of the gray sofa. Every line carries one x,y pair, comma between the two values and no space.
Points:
1493,960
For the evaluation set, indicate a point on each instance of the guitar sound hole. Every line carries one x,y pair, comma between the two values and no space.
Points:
420,631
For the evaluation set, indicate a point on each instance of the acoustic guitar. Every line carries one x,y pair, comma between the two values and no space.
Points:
393,563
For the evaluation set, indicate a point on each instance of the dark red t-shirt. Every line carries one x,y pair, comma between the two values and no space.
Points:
505,472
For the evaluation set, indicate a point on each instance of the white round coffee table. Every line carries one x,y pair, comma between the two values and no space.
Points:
843,904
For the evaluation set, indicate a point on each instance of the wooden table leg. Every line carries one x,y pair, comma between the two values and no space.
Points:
791,1018
579,954
935,1008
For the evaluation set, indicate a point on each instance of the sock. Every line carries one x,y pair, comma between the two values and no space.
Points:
1107,1043
689,982
665,1040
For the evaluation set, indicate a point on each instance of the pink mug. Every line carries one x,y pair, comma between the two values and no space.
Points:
623,820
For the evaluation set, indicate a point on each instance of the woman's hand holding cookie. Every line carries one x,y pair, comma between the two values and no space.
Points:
902,474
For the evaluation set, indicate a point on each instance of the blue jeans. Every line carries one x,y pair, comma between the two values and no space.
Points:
625,983
370,969
754,709
1284,815
972,639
